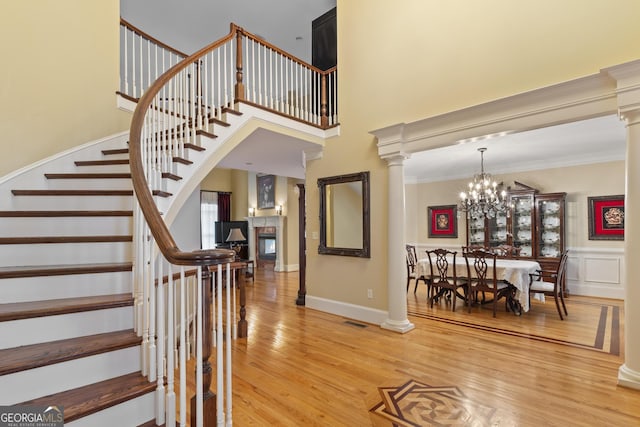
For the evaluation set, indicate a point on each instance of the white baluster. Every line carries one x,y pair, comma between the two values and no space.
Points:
227,359
219,348
171,395
183,351
160,319
153,367
199,380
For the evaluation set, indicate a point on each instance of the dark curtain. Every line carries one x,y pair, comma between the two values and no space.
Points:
224,206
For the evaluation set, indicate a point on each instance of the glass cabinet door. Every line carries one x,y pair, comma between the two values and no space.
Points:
497,229
522,223
476,231
550,218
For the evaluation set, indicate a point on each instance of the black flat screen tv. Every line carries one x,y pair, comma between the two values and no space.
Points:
224,227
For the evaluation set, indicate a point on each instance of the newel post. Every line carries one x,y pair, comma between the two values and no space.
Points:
209,398
239,88
324,118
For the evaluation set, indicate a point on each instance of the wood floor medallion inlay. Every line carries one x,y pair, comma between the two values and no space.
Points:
418,404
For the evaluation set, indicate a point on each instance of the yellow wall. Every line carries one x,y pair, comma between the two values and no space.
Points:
579,182
404,61
59,75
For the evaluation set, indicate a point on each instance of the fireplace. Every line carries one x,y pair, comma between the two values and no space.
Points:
266,250
266,241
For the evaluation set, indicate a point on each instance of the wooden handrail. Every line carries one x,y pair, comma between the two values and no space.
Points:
157,226
137,30
282,52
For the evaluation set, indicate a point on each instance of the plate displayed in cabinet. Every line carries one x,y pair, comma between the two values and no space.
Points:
501,222
524,235
551,207
525,250
550,237
551,221
524,220
549,251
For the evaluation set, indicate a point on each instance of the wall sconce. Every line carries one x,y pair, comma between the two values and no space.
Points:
279,209
252,211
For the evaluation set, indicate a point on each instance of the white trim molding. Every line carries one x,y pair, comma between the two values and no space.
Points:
351,311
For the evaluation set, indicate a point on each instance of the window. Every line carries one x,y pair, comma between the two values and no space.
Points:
208,218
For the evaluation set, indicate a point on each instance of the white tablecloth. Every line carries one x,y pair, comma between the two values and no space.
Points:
514,271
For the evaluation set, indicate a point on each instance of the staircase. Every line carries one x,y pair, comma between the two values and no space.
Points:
66,311
69,302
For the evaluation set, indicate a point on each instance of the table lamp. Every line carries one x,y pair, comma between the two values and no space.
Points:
235,236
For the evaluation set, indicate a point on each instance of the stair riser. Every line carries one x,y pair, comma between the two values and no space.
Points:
64,253
90,184
27,385
70,203
135,412
66,226
15,333
56,287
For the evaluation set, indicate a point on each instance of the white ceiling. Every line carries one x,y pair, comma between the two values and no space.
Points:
191,25
589,141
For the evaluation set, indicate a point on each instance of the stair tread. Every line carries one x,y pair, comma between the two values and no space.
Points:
64,239
80,175
42,354
60,270
55,213
86,400
31,309
102,162
72,192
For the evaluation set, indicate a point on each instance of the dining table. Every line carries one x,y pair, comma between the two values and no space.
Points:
514,271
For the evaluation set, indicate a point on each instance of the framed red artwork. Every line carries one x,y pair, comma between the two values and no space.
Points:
443,221
606,218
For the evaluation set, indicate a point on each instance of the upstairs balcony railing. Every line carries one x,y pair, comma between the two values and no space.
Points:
180,98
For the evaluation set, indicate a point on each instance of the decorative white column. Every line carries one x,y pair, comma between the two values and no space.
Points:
627,78
396,272
629,372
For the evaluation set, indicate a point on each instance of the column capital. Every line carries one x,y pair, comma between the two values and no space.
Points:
395,159
627,78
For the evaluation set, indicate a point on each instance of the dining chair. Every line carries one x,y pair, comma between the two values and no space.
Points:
555,288
442,279
481,270
412,268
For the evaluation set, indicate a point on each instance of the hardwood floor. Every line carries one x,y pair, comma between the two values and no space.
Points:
300,367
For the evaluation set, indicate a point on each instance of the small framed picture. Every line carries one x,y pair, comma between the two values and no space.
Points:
266,186
606,218
443,221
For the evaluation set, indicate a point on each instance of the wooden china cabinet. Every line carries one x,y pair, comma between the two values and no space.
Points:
535,223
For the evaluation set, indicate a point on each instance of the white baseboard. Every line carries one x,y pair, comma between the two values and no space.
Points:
356,312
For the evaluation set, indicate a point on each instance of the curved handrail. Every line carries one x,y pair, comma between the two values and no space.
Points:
137,30
183,96
157,226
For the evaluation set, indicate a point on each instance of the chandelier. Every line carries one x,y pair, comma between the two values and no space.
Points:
484,197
